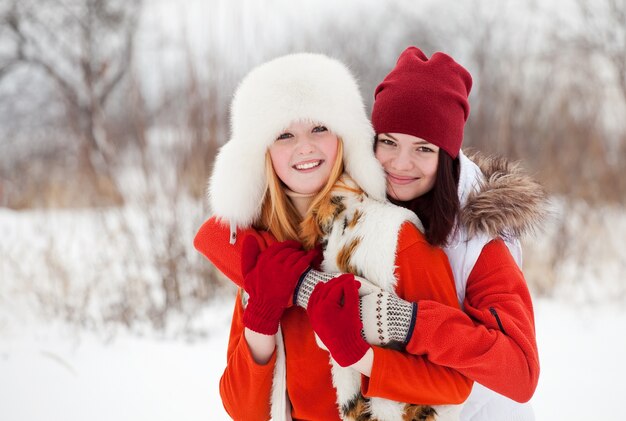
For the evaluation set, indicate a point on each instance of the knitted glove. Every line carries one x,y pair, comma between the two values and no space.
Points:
307,284
333,311
269,279
309,281
387,318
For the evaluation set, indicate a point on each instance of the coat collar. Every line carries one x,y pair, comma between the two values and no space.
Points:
498,199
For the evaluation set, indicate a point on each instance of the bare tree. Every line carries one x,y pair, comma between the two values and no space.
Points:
86,48
603,40
604,35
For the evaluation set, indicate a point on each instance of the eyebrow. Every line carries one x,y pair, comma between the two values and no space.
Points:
388,135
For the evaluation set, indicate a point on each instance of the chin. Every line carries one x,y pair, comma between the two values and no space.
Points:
399,197
309,189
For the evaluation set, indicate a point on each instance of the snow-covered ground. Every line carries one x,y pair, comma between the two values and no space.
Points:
582,353
55,373
51,370
49,373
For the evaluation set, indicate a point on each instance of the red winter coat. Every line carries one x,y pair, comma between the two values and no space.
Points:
493,341
245,386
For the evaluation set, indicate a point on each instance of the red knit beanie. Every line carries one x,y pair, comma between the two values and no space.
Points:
424,98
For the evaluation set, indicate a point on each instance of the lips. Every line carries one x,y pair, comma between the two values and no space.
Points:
308,165
400,180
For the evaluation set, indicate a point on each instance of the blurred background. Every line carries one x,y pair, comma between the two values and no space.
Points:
111,112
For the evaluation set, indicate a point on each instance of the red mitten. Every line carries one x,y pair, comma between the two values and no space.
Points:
269,279
333,311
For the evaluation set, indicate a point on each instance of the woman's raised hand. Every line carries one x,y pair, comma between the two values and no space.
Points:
270,277
333,311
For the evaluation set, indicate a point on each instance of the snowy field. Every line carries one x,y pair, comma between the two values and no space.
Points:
82,266
47,373
52,370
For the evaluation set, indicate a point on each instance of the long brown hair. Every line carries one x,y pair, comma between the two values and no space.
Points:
438,209
278,214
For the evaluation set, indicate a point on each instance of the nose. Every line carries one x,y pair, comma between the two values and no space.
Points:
305,145
401,161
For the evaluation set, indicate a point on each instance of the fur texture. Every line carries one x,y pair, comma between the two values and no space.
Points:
355,241
497,200
508,203
297,87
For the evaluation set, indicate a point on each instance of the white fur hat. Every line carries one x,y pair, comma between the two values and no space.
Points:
297,87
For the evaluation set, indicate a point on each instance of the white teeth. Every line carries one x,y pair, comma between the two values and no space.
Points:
308,165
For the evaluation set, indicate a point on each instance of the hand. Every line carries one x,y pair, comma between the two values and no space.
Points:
309,281
387,318
306,285
269,279
333,311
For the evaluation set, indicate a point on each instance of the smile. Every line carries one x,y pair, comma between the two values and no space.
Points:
303,166
396,179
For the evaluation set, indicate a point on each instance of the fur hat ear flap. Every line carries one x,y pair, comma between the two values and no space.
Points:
238,184
361,164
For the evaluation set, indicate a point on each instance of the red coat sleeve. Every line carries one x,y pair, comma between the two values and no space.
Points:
245,386
423,273
494,340
212,240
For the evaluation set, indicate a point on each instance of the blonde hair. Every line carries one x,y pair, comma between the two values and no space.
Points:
278,214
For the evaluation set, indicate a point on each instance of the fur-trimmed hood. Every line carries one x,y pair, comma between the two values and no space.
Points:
506,203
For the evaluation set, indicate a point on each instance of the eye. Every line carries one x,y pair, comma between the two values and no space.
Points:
285,135
319,129
425,149
386,141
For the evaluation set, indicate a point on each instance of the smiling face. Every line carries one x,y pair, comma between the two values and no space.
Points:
410,164
303,156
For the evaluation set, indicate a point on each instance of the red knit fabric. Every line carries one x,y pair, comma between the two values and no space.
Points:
270,278
426,98
334,314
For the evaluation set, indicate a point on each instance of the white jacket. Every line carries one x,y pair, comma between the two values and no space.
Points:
483,404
